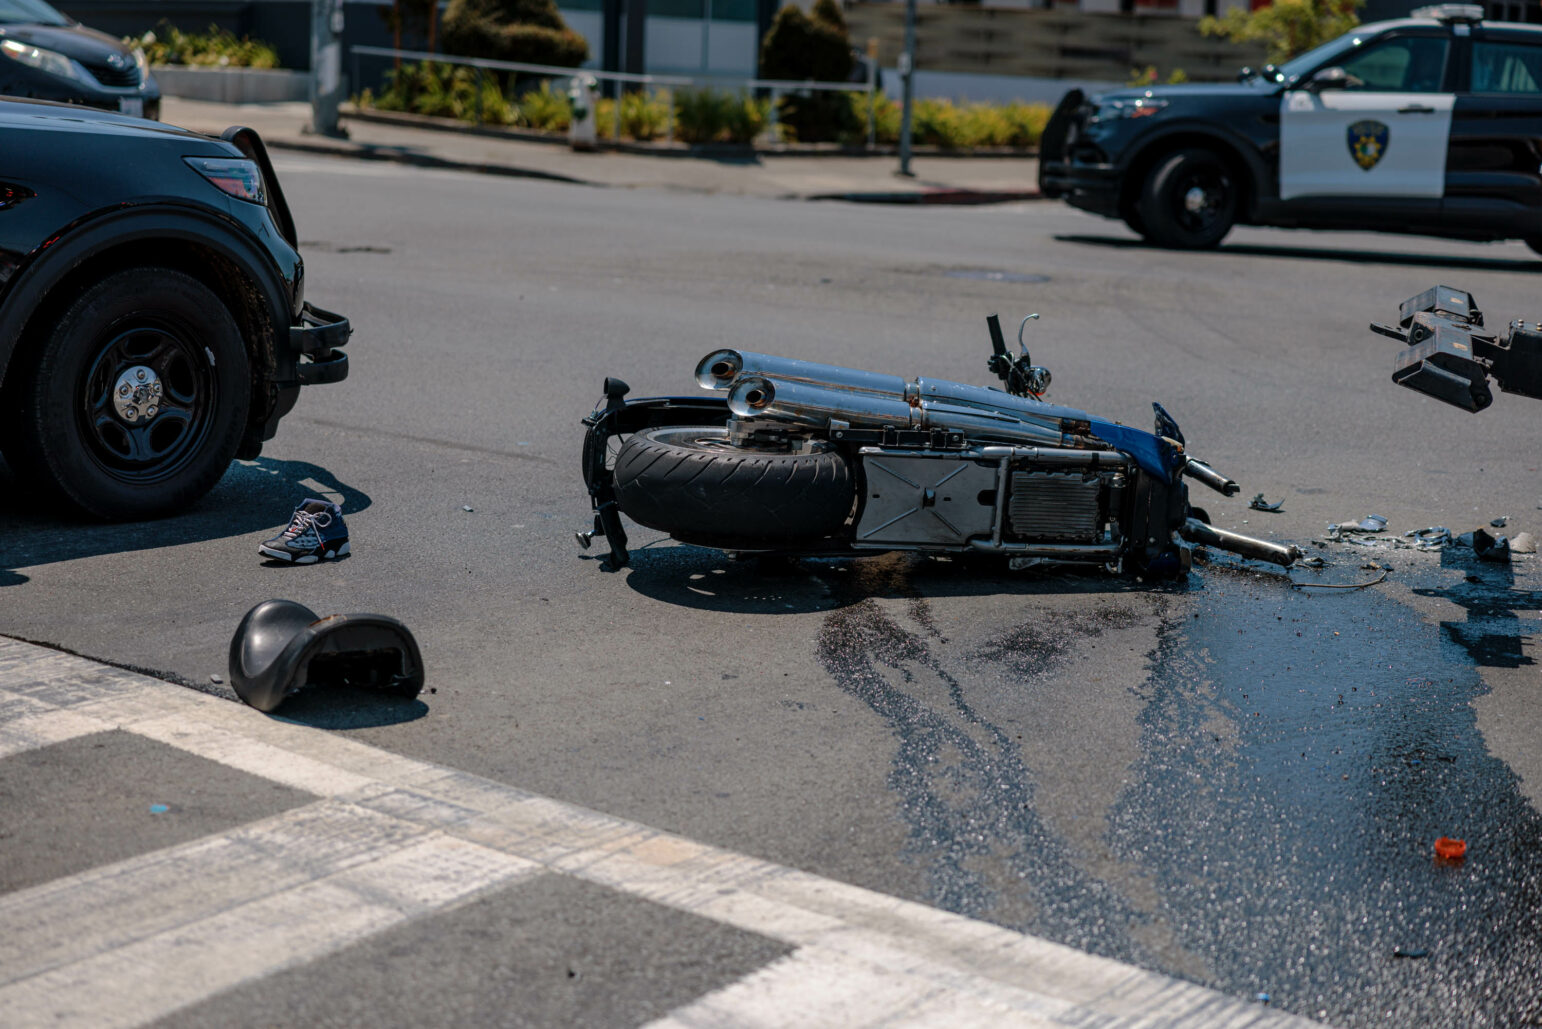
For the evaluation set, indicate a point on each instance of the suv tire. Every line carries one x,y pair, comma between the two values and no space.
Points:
137,399
1188,201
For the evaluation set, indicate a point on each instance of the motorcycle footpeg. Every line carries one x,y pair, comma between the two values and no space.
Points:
1196,531
281,647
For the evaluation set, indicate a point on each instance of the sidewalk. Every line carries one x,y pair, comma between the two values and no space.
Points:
793,176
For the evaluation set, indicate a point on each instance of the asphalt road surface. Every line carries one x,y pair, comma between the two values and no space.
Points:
1230,780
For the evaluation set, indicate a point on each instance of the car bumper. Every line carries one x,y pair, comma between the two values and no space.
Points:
1092,187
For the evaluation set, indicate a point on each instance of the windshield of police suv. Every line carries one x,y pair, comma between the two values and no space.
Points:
1307,62
29,12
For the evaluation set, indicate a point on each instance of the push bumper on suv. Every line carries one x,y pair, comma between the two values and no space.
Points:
315,359
317,337
1092,187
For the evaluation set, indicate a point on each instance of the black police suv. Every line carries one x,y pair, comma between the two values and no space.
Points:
153,324
48,56
1430,124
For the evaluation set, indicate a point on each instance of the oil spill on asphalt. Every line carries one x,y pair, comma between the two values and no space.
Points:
964,789
1297,855
1299,754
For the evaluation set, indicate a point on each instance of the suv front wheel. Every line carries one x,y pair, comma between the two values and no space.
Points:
1188,201
138,399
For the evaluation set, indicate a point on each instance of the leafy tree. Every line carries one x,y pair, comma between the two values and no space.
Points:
529,31
813,46
1286,27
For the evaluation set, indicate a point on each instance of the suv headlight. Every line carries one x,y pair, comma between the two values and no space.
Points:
1113,110
43,60
236,176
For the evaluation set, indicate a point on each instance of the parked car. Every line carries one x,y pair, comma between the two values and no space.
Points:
153,324
50,56
1430,124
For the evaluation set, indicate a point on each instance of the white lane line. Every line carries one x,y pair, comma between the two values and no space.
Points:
931,961
246,924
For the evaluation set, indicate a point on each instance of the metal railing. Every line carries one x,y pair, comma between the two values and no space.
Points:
776,87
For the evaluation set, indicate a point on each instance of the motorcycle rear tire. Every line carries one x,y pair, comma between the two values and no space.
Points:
690,480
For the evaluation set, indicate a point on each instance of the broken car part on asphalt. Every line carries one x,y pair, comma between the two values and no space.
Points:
282,647
1450,355
800,458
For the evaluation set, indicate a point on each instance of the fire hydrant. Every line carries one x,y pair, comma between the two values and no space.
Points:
581,133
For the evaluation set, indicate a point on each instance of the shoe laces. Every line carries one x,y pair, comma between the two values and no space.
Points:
304,520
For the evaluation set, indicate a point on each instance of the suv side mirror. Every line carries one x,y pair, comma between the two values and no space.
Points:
1332,78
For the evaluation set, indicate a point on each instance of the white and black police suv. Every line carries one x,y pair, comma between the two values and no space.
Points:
1430,124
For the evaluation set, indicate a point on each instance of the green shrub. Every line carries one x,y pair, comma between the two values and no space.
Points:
936,123
527,31
802,47
644,117
546,110
942,123
712,116
216,48
442,90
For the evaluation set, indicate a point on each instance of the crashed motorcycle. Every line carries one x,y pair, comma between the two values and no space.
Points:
792,457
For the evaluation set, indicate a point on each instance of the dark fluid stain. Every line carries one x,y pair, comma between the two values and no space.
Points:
1295,849
965,791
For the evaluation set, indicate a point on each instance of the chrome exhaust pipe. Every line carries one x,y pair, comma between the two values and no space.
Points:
1196,531
720,369
816,405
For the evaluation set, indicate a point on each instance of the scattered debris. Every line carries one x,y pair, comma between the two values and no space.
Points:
1491,548
216,678
1341,585
1499,523
1523,543
159,809
1370,523
1450,851
1312,562
466,508
1410,952
1263,998
1433,538
1258,503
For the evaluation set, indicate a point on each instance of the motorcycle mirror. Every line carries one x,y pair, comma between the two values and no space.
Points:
1021,326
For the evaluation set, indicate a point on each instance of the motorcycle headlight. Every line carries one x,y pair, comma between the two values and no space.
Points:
143,64
43,60
1114,110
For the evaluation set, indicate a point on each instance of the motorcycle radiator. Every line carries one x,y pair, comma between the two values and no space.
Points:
1056,507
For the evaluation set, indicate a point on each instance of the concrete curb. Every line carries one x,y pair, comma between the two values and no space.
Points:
405,119
953,197
367,152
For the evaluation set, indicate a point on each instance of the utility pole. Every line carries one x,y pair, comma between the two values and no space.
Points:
326,66
907,66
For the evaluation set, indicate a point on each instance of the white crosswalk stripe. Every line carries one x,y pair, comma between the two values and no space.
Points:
393,838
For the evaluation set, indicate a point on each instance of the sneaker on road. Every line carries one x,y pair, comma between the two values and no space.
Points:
315,532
